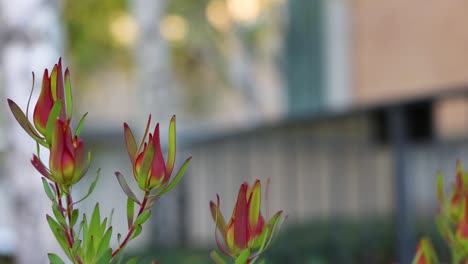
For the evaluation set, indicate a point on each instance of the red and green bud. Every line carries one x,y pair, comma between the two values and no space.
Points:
150,169
425,253
55,101
155,175
247,229
68,161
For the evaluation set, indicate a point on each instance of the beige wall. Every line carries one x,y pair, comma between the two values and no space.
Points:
405,48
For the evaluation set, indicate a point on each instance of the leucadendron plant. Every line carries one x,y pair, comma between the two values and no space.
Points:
83,239
452,221
87,240
247,234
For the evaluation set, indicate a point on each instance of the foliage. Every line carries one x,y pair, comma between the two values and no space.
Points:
89,39
87,239
452,221
83,239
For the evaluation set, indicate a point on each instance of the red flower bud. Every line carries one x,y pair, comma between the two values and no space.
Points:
154,175
149,167
247,228
44,105
69,161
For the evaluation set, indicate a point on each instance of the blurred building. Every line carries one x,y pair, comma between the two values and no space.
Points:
324,133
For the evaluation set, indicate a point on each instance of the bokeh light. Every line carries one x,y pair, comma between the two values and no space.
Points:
173,28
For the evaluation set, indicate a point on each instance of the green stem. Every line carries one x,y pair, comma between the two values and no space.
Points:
132,228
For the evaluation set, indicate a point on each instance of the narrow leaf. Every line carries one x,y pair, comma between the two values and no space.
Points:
216,257
75,214
47,189
94,224
80,125
68,95
104,245
53,115
143,217
58,215
59,234
144,134
130,143
25,124
242,258
30,95
54,259
137,231
130,211
171,150
147,160
91,187
126,188
178,177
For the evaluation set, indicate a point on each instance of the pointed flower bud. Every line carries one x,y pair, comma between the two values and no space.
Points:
154,175
246,229
52,91
69,161
44,105
150,169
425,253
55,101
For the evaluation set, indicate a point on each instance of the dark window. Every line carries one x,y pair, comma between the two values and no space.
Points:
418,121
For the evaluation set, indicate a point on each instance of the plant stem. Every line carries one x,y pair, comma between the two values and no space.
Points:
69,214
132,228
67,230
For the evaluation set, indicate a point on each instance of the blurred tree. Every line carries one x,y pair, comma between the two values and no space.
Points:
156,89
30,39
229,56
97,33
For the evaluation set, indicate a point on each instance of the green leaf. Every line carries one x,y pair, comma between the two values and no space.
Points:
171,150
54,259
30,95
130,211
146,164
91,187
106,257
216,257
25,124
440,187
104,244
58,215
125,187
141,219
80,125
130,143
47,189
272,229
68,95
144,134
243,257
75,214
89,250
178,177
110,217
133,260
137,231
95,224
59,234
53,115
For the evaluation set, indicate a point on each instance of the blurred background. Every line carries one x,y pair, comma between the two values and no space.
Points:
349,106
